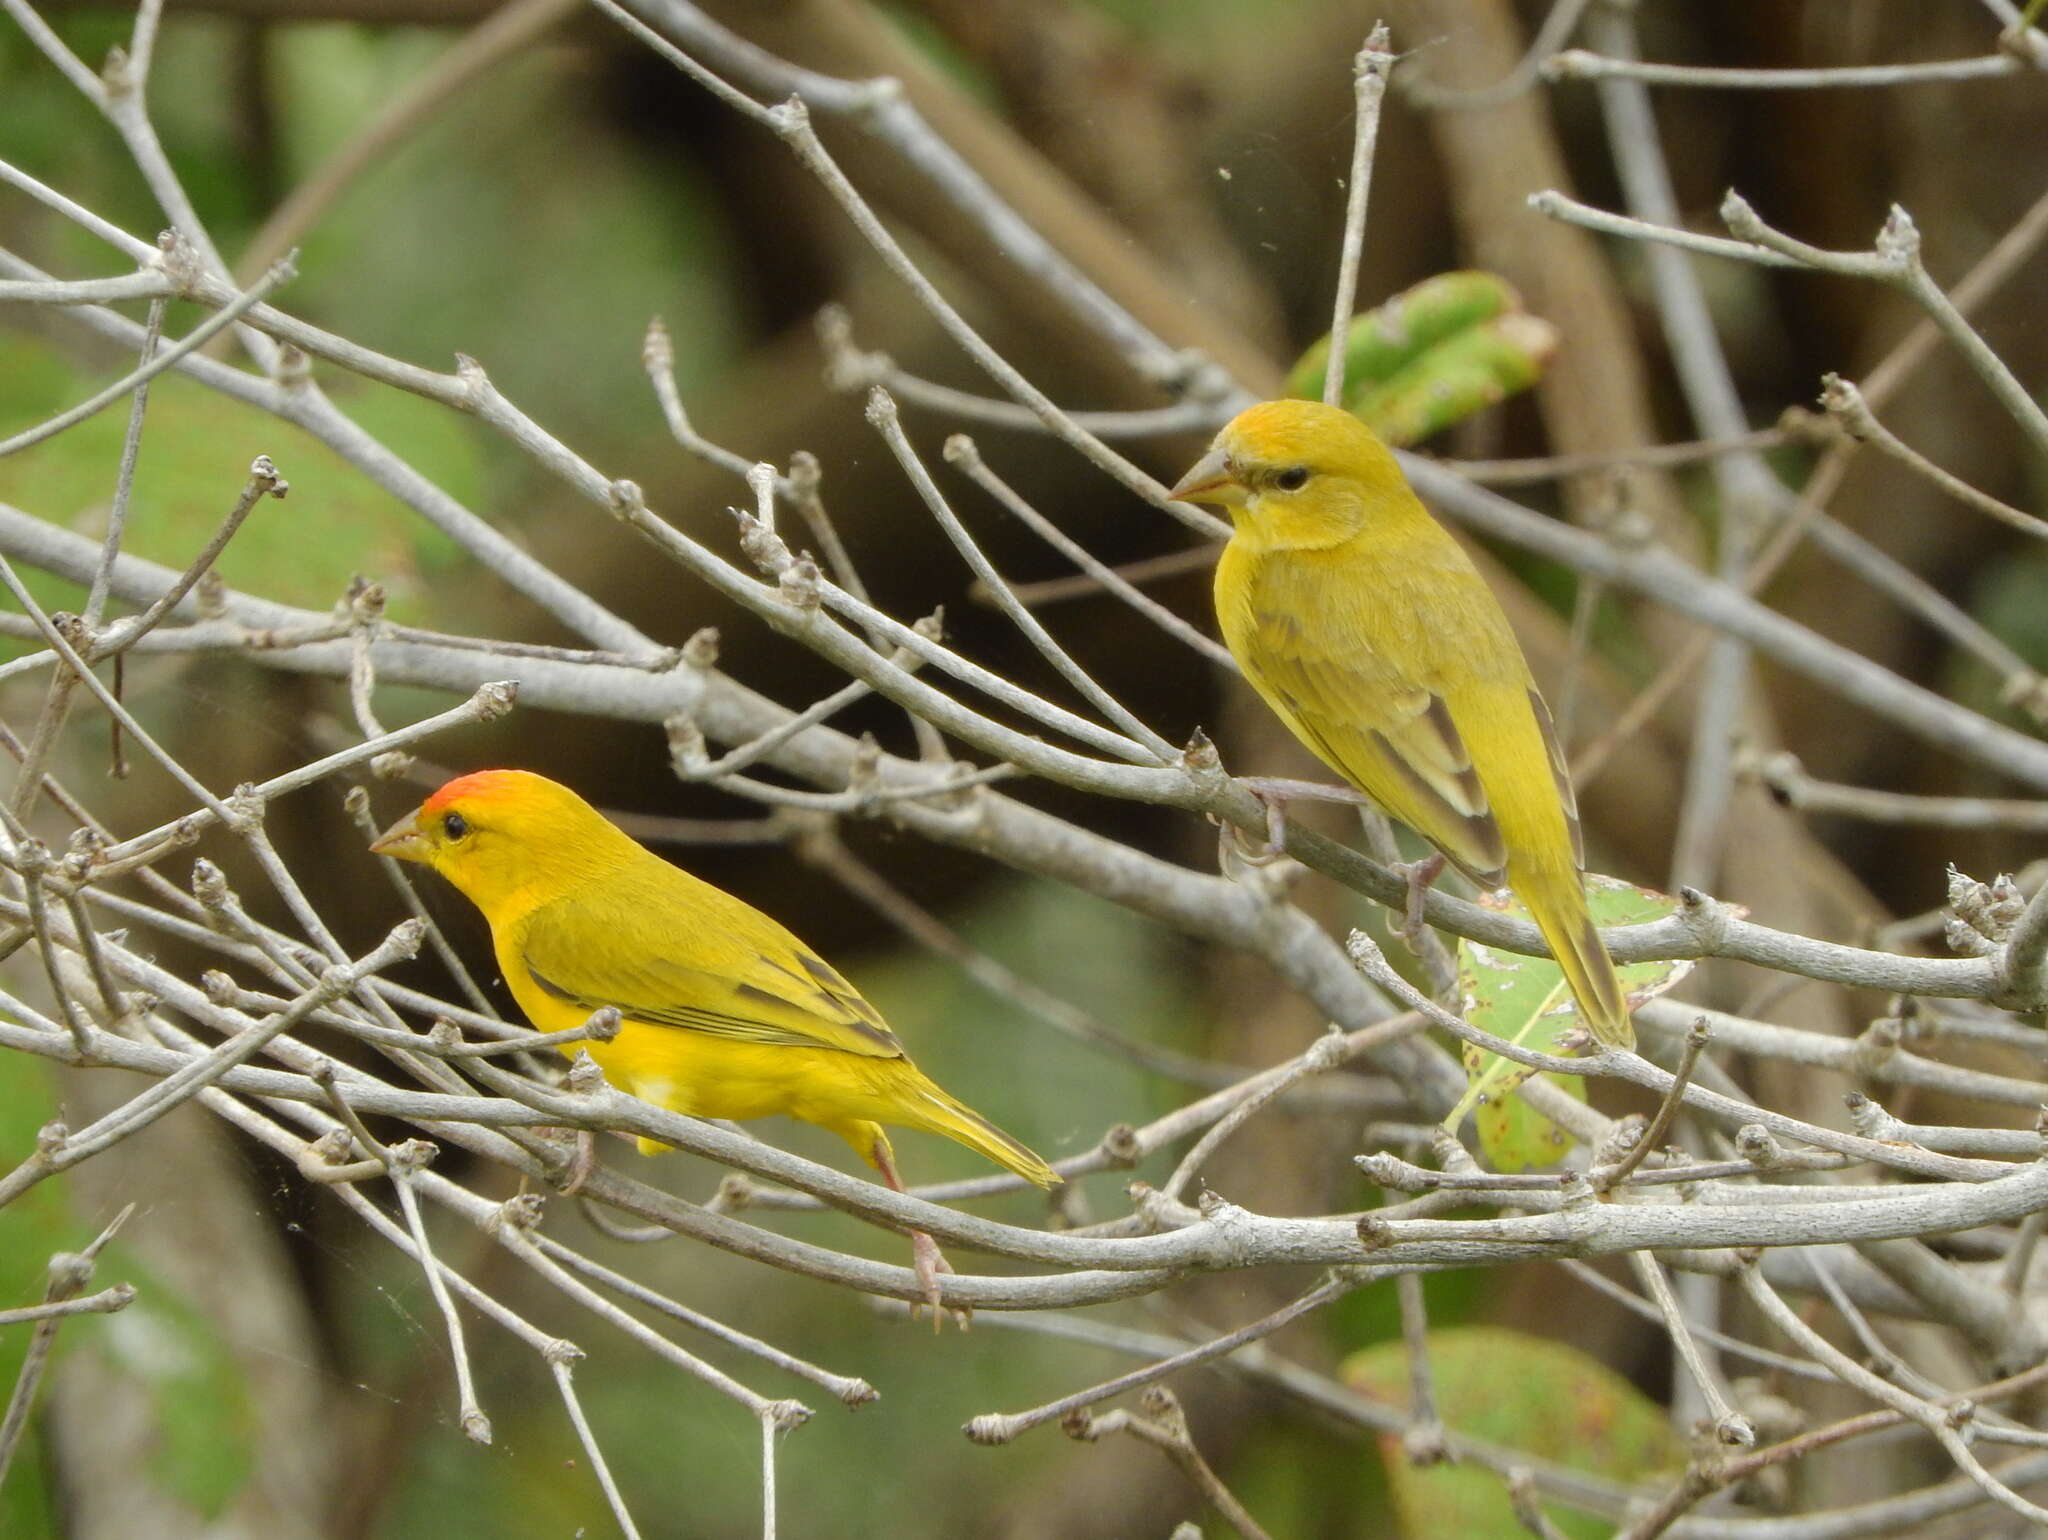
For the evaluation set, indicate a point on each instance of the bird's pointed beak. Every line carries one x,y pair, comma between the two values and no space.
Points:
1209,480
404,840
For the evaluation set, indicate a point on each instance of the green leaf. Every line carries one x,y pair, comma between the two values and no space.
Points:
1461,377
1433,355
1525,1000
1393,334
1537,1397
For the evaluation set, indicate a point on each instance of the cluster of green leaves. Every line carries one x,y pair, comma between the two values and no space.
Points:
1432,355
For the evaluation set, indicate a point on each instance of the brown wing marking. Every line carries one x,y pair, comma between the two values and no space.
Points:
1484,854
656,986
1457,760
1398,742
1561,773
823,989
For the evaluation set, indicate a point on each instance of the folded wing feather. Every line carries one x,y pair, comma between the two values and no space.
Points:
785,996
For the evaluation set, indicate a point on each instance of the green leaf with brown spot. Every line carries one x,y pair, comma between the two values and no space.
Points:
1525,1001
1544,1400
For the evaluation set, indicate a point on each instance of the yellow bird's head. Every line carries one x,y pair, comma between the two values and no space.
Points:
499,832
1297,474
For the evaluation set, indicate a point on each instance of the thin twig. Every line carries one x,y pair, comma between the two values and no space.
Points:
558,1365
151,367
1730,1426
1369,88
1607,1178
1579,64
1790,783
881,412
961,451
70,1272
1000,1428
1558,25
1845,403
1423,1439
1164,1425
1934,1419
500,34
124,476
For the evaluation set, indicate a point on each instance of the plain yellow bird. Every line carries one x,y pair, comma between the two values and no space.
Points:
724,1013
1367,629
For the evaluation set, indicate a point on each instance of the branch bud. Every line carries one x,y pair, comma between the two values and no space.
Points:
521,1213
685,745
476,384
495,699
657,351
209,884
210,594
586,1077
1121,1148
1374,1232
1735,1431
413,1155
1899,241
625,499
1757,1145
799,582
701,650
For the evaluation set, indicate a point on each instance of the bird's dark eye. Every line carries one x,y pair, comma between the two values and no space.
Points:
1293,479
454,826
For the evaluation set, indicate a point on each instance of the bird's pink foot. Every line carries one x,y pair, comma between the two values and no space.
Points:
1419,875
1274,794
580,1163
927,1261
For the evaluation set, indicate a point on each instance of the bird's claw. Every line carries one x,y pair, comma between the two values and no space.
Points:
1235,847
1274,793
927,1261
1419,875
581,1162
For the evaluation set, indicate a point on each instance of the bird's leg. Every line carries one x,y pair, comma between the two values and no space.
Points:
926,1260
1274,793
1419,875
582,1162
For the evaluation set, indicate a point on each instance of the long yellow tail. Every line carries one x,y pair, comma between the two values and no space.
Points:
1556,900
929,1108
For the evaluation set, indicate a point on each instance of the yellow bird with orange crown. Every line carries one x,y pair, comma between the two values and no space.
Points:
724,1014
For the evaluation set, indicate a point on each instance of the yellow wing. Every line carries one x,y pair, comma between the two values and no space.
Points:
1369,675
736,974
